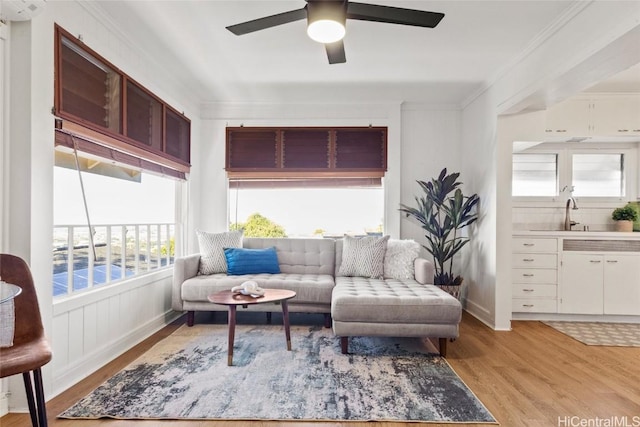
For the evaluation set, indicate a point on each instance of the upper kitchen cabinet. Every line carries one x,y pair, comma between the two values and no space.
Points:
617,115
593,116
568,118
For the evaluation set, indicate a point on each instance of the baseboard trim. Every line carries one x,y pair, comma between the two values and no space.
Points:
479,312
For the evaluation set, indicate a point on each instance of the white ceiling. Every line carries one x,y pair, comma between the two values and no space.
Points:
385,63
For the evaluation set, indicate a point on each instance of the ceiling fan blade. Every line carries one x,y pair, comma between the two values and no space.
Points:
393,15
268,22
335,52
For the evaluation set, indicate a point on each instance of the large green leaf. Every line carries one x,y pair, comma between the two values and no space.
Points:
442,211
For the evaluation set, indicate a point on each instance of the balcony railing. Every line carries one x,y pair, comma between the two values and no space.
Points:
121,251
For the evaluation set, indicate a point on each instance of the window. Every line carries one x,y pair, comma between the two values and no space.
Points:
598,175
312,211
583,171
535,175
307,181
132,220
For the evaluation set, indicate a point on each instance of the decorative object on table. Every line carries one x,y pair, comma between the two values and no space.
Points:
443,211
30,350
185,376
624,217
249,287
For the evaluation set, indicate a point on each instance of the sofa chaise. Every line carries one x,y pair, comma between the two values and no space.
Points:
325,274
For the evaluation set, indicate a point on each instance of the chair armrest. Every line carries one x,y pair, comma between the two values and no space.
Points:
184,268
424,271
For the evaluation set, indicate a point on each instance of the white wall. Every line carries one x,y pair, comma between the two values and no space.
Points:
430,142
85,331
561,62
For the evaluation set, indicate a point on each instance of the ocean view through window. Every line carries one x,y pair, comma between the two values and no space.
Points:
132,225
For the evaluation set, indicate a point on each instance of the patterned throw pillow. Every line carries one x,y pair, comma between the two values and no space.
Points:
212,259
399,259
363,256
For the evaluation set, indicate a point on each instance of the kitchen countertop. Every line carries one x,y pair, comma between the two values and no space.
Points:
578,234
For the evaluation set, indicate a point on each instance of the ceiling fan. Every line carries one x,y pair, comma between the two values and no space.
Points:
326,21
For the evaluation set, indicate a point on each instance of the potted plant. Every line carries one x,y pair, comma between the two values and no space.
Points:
442,212
624,217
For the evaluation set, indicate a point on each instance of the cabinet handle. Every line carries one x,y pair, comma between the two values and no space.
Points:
527,259
527,275
528,244
561,130
623,130
612,261
527,290
527,305
595,261
636,130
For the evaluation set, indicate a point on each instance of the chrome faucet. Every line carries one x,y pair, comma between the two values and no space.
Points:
567,217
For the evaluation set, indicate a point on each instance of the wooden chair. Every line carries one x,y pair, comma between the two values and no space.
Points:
30,350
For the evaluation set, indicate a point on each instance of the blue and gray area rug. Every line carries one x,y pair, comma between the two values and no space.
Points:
186,376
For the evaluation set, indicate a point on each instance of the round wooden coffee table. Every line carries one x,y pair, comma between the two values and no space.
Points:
233,300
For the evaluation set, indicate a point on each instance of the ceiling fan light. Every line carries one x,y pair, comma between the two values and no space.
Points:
326,31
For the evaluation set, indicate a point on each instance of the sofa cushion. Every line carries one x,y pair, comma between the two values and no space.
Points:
363,256
359,299
399,259
298,255
212,259
309,288
251,261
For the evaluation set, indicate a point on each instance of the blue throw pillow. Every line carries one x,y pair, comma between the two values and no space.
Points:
251,261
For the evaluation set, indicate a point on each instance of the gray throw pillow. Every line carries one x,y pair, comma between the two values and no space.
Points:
363,256
212,259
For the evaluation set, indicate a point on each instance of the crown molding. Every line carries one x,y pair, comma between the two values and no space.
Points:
568,14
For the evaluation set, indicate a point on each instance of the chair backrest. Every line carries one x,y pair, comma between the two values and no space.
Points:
28,321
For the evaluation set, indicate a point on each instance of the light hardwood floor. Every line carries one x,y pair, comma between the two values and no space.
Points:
530,376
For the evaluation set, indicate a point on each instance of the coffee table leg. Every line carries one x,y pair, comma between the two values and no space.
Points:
285,318
232,333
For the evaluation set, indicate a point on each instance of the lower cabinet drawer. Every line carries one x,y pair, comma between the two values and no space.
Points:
534,291
534,260
524,305
532,275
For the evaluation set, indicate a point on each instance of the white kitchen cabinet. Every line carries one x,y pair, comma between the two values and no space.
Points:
616,116
568,118
622,284
581,289
596,283
534,275
605,115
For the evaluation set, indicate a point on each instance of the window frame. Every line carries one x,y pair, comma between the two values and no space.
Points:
565,153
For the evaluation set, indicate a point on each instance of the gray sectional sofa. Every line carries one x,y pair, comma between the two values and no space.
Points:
407,305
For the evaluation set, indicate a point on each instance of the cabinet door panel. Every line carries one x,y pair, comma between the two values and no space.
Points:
618,116
568,118
622,284
581,290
